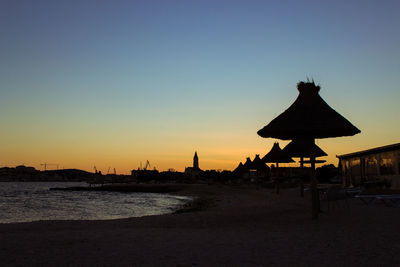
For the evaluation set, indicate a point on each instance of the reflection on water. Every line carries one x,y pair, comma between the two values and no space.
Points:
33,201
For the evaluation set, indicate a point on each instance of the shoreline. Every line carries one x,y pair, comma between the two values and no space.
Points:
237,226
197,202
128,188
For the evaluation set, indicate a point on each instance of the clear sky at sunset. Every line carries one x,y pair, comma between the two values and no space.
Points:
116,83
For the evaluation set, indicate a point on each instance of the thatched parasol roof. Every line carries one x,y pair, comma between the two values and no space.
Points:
276,155
248,164
258,164
303,148
309,116
239,168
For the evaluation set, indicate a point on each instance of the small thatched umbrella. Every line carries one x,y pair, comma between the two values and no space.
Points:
239,168
277,155
258,164
248,164
309,117
299,148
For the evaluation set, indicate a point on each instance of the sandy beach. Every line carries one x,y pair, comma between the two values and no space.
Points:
229,226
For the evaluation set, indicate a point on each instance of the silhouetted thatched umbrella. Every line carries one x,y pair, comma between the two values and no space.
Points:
277,155
258,164
248,164
239,168
304,148
300,148
309,117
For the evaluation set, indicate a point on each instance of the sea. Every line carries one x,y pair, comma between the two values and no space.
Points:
34,201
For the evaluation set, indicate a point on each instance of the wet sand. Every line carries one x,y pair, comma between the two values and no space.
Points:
227,226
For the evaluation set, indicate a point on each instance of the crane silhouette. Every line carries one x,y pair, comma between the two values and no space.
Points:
49,164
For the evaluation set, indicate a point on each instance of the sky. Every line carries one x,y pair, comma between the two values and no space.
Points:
112,84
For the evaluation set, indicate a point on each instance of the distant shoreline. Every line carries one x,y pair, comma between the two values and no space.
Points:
142,188
198,202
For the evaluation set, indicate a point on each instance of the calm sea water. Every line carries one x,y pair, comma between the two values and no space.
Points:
33,201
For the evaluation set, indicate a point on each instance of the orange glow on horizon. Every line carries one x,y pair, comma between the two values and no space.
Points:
218,157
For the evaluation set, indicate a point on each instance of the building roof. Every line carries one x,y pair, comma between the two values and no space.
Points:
308,117
371,151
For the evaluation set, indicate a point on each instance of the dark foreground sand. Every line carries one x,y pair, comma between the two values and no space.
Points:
240,226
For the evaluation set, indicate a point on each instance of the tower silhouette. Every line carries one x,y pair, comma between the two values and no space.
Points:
195,161
195,170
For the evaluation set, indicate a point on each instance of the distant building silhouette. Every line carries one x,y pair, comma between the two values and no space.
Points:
195,161
195,170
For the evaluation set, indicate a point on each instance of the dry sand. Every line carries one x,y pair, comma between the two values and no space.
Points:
237,226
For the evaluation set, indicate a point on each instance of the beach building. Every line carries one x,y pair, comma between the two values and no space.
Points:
380,164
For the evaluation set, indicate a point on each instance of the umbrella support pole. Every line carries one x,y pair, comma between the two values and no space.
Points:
278,186
314,191
301,180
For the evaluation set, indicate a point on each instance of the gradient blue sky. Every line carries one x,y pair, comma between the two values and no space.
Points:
114,83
